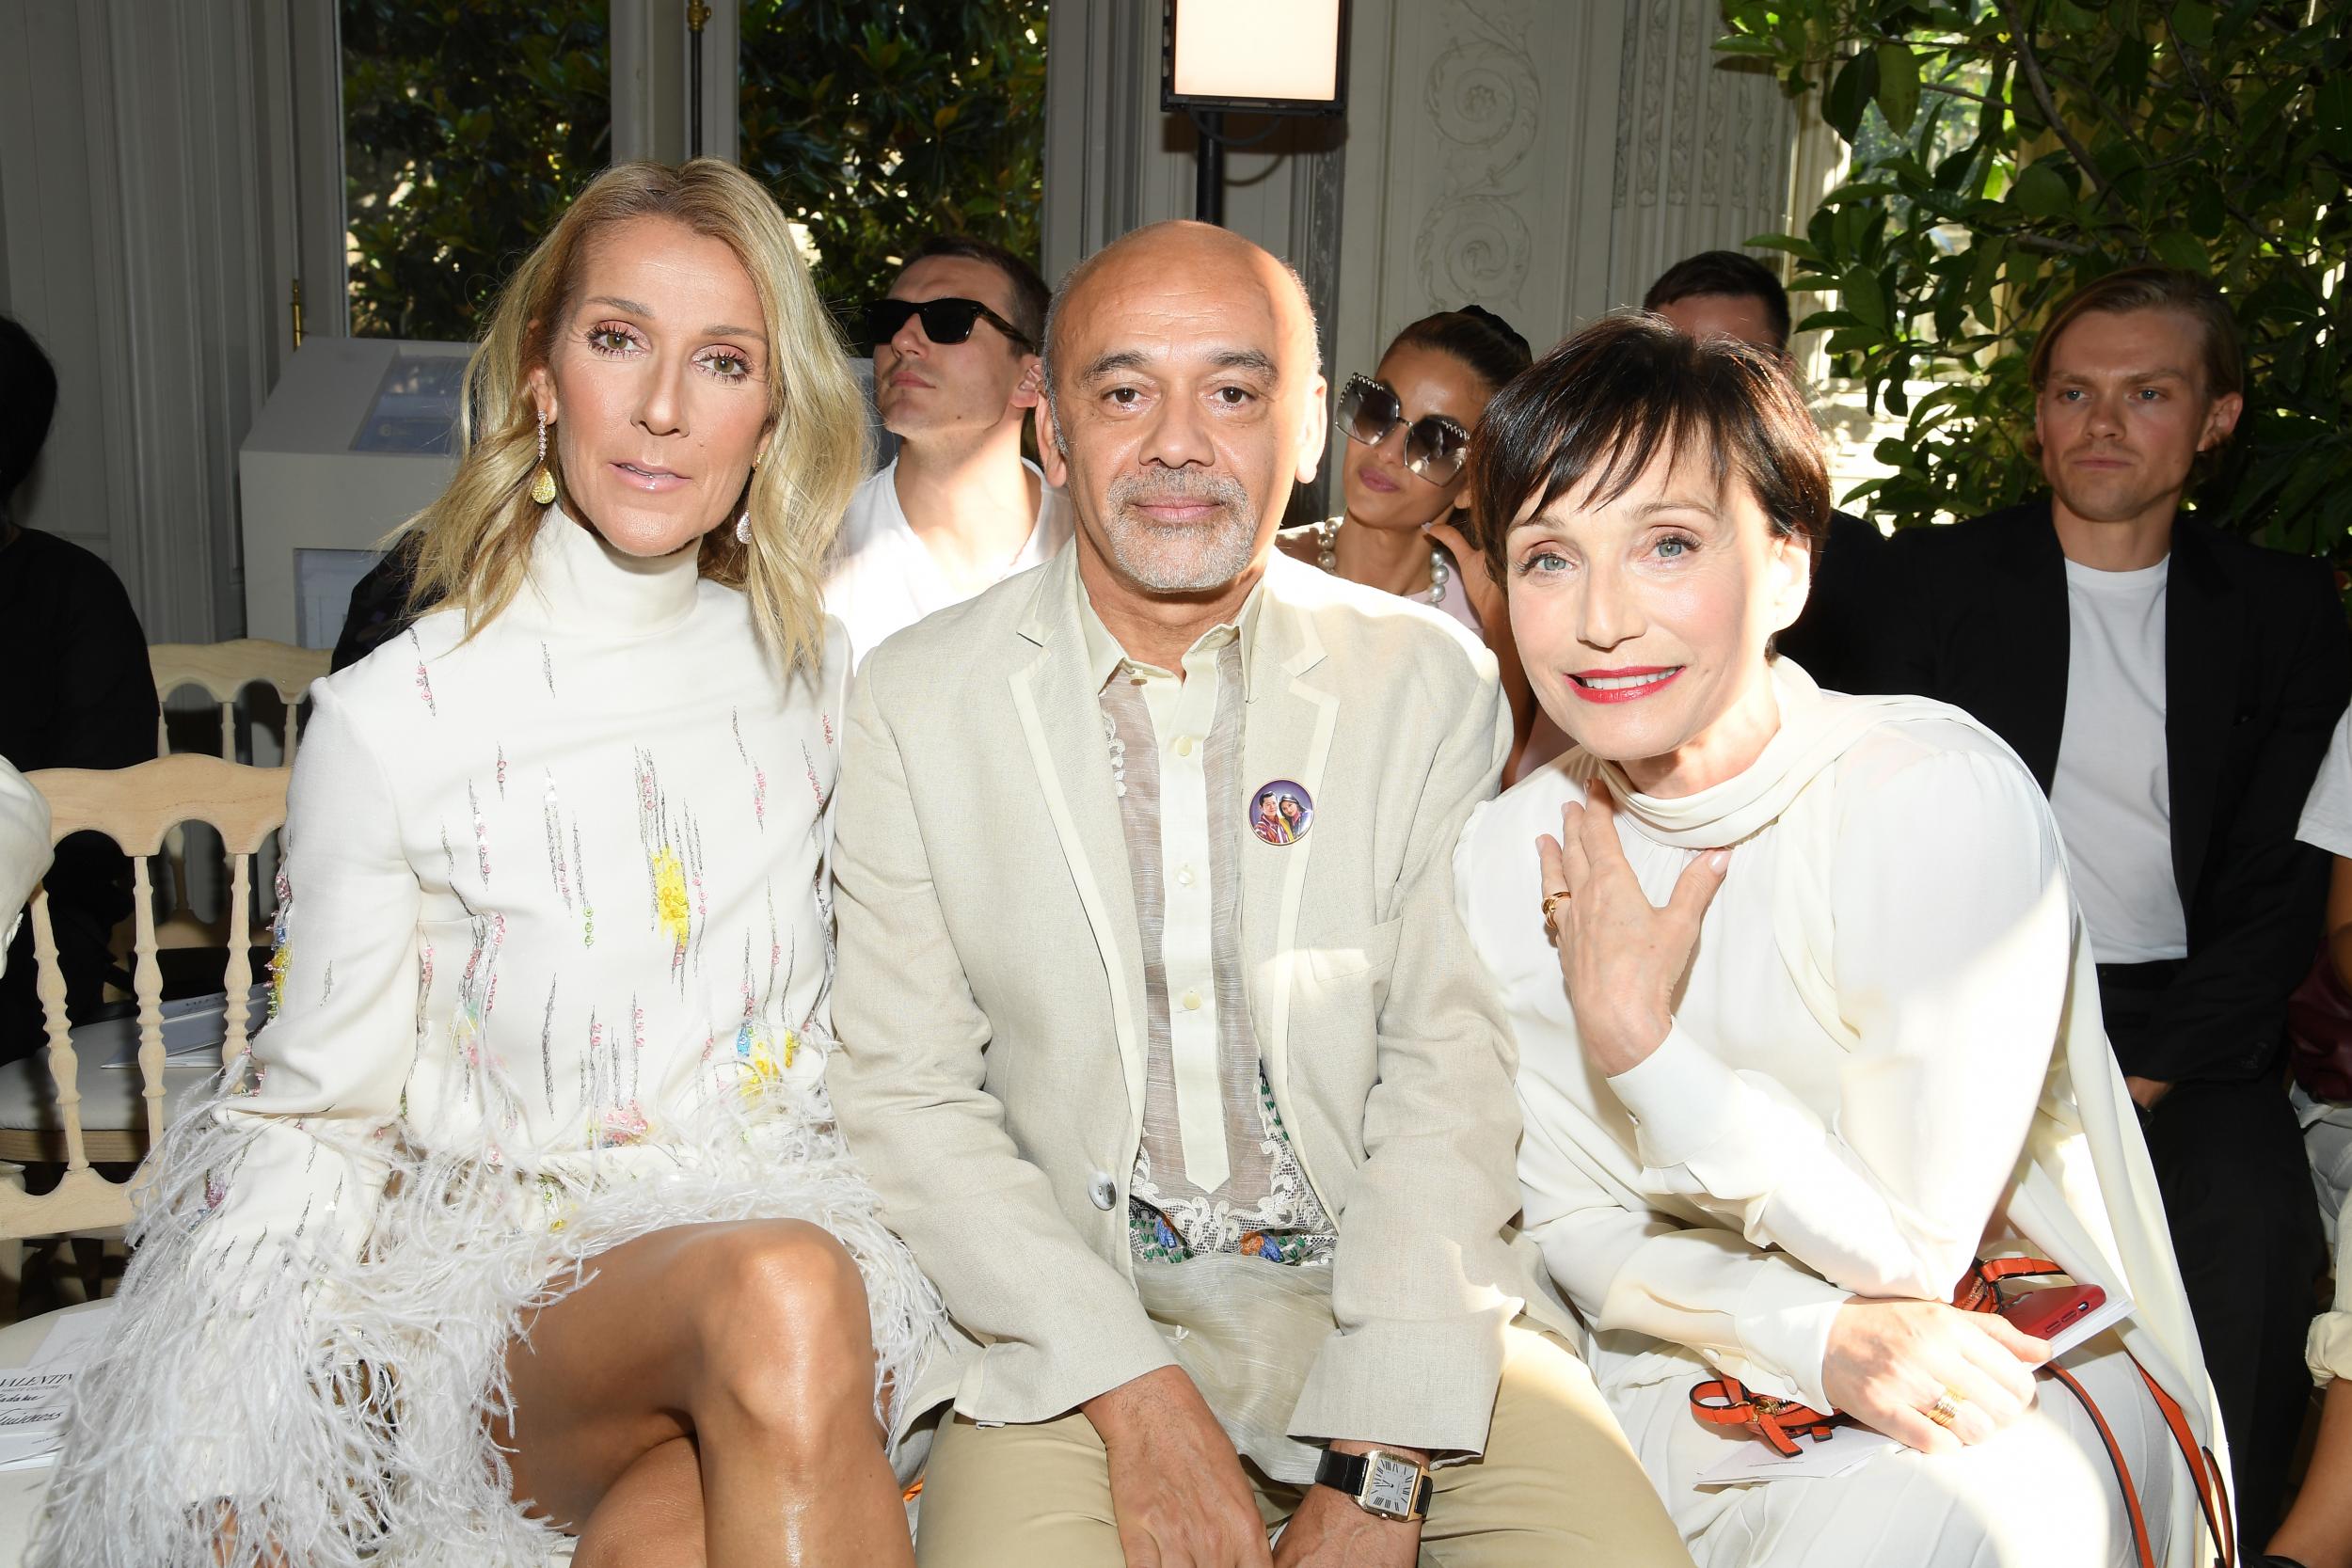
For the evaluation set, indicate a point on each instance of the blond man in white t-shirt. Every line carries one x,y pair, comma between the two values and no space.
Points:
956,373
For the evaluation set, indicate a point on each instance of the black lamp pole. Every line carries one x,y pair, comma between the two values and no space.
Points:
1207,112
697,14
1208,172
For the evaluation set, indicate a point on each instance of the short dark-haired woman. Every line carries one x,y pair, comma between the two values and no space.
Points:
1807,1025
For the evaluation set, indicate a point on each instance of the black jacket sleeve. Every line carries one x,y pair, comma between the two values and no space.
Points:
2262,892
379,610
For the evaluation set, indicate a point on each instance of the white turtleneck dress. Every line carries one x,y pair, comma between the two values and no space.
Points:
1886,1061
553,953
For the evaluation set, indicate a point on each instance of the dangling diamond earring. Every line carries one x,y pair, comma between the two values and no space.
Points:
543,482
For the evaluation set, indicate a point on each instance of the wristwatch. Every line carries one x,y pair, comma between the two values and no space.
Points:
1380,1483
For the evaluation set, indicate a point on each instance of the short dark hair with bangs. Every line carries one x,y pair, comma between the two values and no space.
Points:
1599,407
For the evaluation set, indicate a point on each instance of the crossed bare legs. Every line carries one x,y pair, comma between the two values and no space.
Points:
707,1398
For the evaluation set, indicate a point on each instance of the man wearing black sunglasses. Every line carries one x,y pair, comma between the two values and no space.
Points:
955,376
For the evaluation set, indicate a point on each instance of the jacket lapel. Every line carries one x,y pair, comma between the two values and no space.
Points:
2039,641
1293,713
2200,614
1062,722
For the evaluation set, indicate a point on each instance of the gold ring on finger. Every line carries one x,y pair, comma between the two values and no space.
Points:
1946,1410
1552,902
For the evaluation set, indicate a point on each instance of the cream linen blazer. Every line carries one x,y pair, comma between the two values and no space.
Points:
990,1000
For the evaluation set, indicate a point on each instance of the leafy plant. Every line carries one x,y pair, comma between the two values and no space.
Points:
2007,151
875,123
467,126
878,125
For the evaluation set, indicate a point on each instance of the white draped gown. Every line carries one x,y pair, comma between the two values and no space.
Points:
1886,1062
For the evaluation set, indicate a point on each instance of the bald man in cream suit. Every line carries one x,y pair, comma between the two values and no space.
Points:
1206,1134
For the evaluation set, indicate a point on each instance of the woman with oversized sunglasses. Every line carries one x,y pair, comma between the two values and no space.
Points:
1404,525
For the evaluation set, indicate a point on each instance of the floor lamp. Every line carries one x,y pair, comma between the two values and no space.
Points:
1276,57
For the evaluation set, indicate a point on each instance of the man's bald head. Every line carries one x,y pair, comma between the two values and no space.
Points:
1178,243
1184,399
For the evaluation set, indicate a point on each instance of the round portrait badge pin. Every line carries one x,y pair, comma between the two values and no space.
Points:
1282,811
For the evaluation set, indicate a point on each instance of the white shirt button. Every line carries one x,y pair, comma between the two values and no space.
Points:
1184,745
1102,1191
1192,1001
1184,876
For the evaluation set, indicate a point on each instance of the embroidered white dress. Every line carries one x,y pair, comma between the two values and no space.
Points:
1886,1060
554,949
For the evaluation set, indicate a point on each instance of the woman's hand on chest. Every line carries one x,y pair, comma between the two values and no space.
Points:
1620,955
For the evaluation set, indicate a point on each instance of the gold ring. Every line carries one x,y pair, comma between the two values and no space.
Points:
1551,902
1945,1409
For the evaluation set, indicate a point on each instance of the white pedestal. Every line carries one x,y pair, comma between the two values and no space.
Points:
337,459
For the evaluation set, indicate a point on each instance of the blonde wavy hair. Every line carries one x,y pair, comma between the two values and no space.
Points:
473,544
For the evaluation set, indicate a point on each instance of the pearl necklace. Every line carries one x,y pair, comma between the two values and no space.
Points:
1327,556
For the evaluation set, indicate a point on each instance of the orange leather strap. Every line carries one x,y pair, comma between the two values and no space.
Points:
1979,1291
1726,1401
2115,1456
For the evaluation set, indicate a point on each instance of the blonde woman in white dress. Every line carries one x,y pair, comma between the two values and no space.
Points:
525,1216
1818,1029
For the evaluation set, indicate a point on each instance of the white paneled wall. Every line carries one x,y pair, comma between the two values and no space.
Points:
1703,150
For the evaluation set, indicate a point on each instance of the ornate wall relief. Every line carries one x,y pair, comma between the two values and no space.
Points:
1703,145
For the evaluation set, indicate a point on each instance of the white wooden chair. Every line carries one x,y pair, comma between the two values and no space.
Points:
225,671
70,1108
85,1113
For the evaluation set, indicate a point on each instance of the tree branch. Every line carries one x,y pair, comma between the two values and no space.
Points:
2040,89
1954,92
2043,242
2223,112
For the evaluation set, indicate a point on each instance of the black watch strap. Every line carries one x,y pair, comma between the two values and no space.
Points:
1344,1473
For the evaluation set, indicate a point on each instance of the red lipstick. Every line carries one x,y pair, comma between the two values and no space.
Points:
1629,685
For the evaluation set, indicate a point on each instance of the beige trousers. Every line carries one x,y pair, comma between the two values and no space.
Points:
1557,1485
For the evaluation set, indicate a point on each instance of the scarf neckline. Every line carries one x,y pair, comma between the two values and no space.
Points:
1815,729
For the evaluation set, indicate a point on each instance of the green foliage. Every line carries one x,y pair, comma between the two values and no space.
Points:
467,128
2007,151
876,125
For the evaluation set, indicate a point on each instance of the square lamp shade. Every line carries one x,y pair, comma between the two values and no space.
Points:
1255,57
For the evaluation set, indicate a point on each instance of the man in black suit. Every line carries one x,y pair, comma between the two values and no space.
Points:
1722,293
2172,689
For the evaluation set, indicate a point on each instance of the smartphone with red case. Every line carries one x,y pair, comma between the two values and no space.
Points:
2045,1314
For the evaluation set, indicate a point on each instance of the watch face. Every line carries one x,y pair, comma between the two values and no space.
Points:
1391,1485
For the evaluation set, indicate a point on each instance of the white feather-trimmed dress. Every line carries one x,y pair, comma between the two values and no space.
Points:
554,948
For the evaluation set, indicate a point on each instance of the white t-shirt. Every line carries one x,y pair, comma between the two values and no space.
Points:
2112,793
2327,814
2328,1125
881,576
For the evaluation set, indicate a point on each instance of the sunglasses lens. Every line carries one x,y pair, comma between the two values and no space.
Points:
1434,451
1367,412
949,321
883,318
